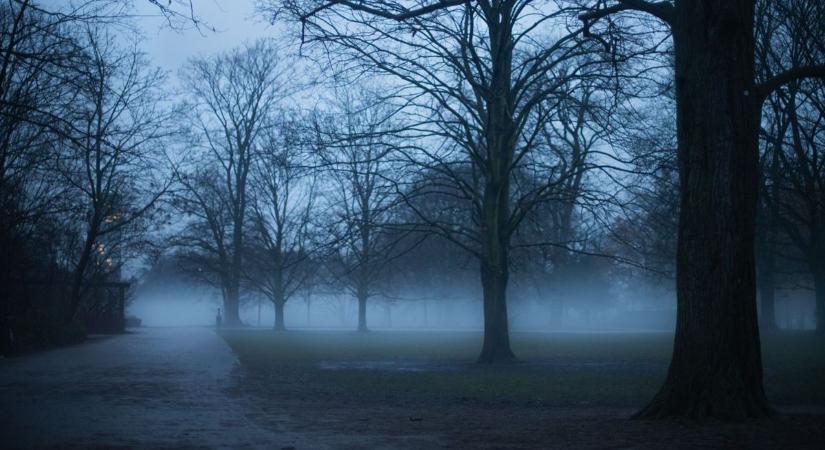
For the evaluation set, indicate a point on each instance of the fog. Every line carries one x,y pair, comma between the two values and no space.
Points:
323,224
183,303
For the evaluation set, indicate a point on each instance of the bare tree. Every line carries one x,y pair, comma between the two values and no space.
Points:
475,77
117,108
201,244
555,229
282,202
31,87
798,197
233,95
793,195
719,102
355,146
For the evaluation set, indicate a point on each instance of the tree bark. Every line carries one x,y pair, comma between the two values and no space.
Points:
500,142
716,368
495,272
362,309
279,315
494,277
231,305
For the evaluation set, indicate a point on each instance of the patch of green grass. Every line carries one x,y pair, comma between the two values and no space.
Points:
553,368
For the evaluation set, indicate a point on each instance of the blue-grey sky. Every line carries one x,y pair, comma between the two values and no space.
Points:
234,20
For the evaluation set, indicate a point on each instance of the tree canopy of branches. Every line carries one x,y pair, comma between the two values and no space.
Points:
123,126
283,198
362,196
793,196
234,96
479,81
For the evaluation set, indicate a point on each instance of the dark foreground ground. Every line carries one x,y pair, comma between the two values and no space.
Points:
417,390
186,388
152,388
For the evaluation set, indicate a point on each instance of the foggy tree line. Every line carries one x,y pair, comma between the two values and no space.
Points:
539,143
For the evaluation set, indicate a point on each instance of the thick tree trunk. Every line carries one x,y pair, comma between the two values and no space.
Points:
6,331
231,305
362,309
496,347
279,315
494,233
716,369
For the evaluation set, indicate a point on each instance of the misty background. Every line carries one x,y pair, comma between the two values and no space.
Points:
257,171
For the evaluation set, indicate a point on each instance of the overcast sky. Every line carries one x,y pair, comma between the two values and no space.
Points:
234,20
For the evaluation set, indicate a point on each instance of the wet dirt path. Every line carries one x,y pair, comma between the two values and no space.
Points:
152,388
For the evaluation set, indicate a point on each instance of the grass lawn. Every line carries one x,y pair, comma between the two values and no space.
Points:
426,384
553,368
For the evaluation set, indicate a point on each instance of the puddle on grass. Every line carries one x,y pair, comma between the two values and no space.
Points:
431,366
600,366
388,366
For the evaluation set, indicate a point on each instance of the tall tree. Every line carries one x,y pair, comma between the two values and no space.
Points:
645,230
475,77
554,230
716,368
354,147
117,125
232,94
282,203
36,55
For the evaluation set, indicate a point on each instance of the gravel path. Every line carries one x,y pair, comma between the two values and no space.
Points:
153,388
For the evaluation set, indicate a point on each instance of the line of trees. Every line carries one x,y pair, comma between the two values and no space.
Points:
562,142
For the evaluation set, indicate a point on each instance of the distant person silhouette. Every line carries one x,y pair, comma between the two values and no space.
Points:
218,319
